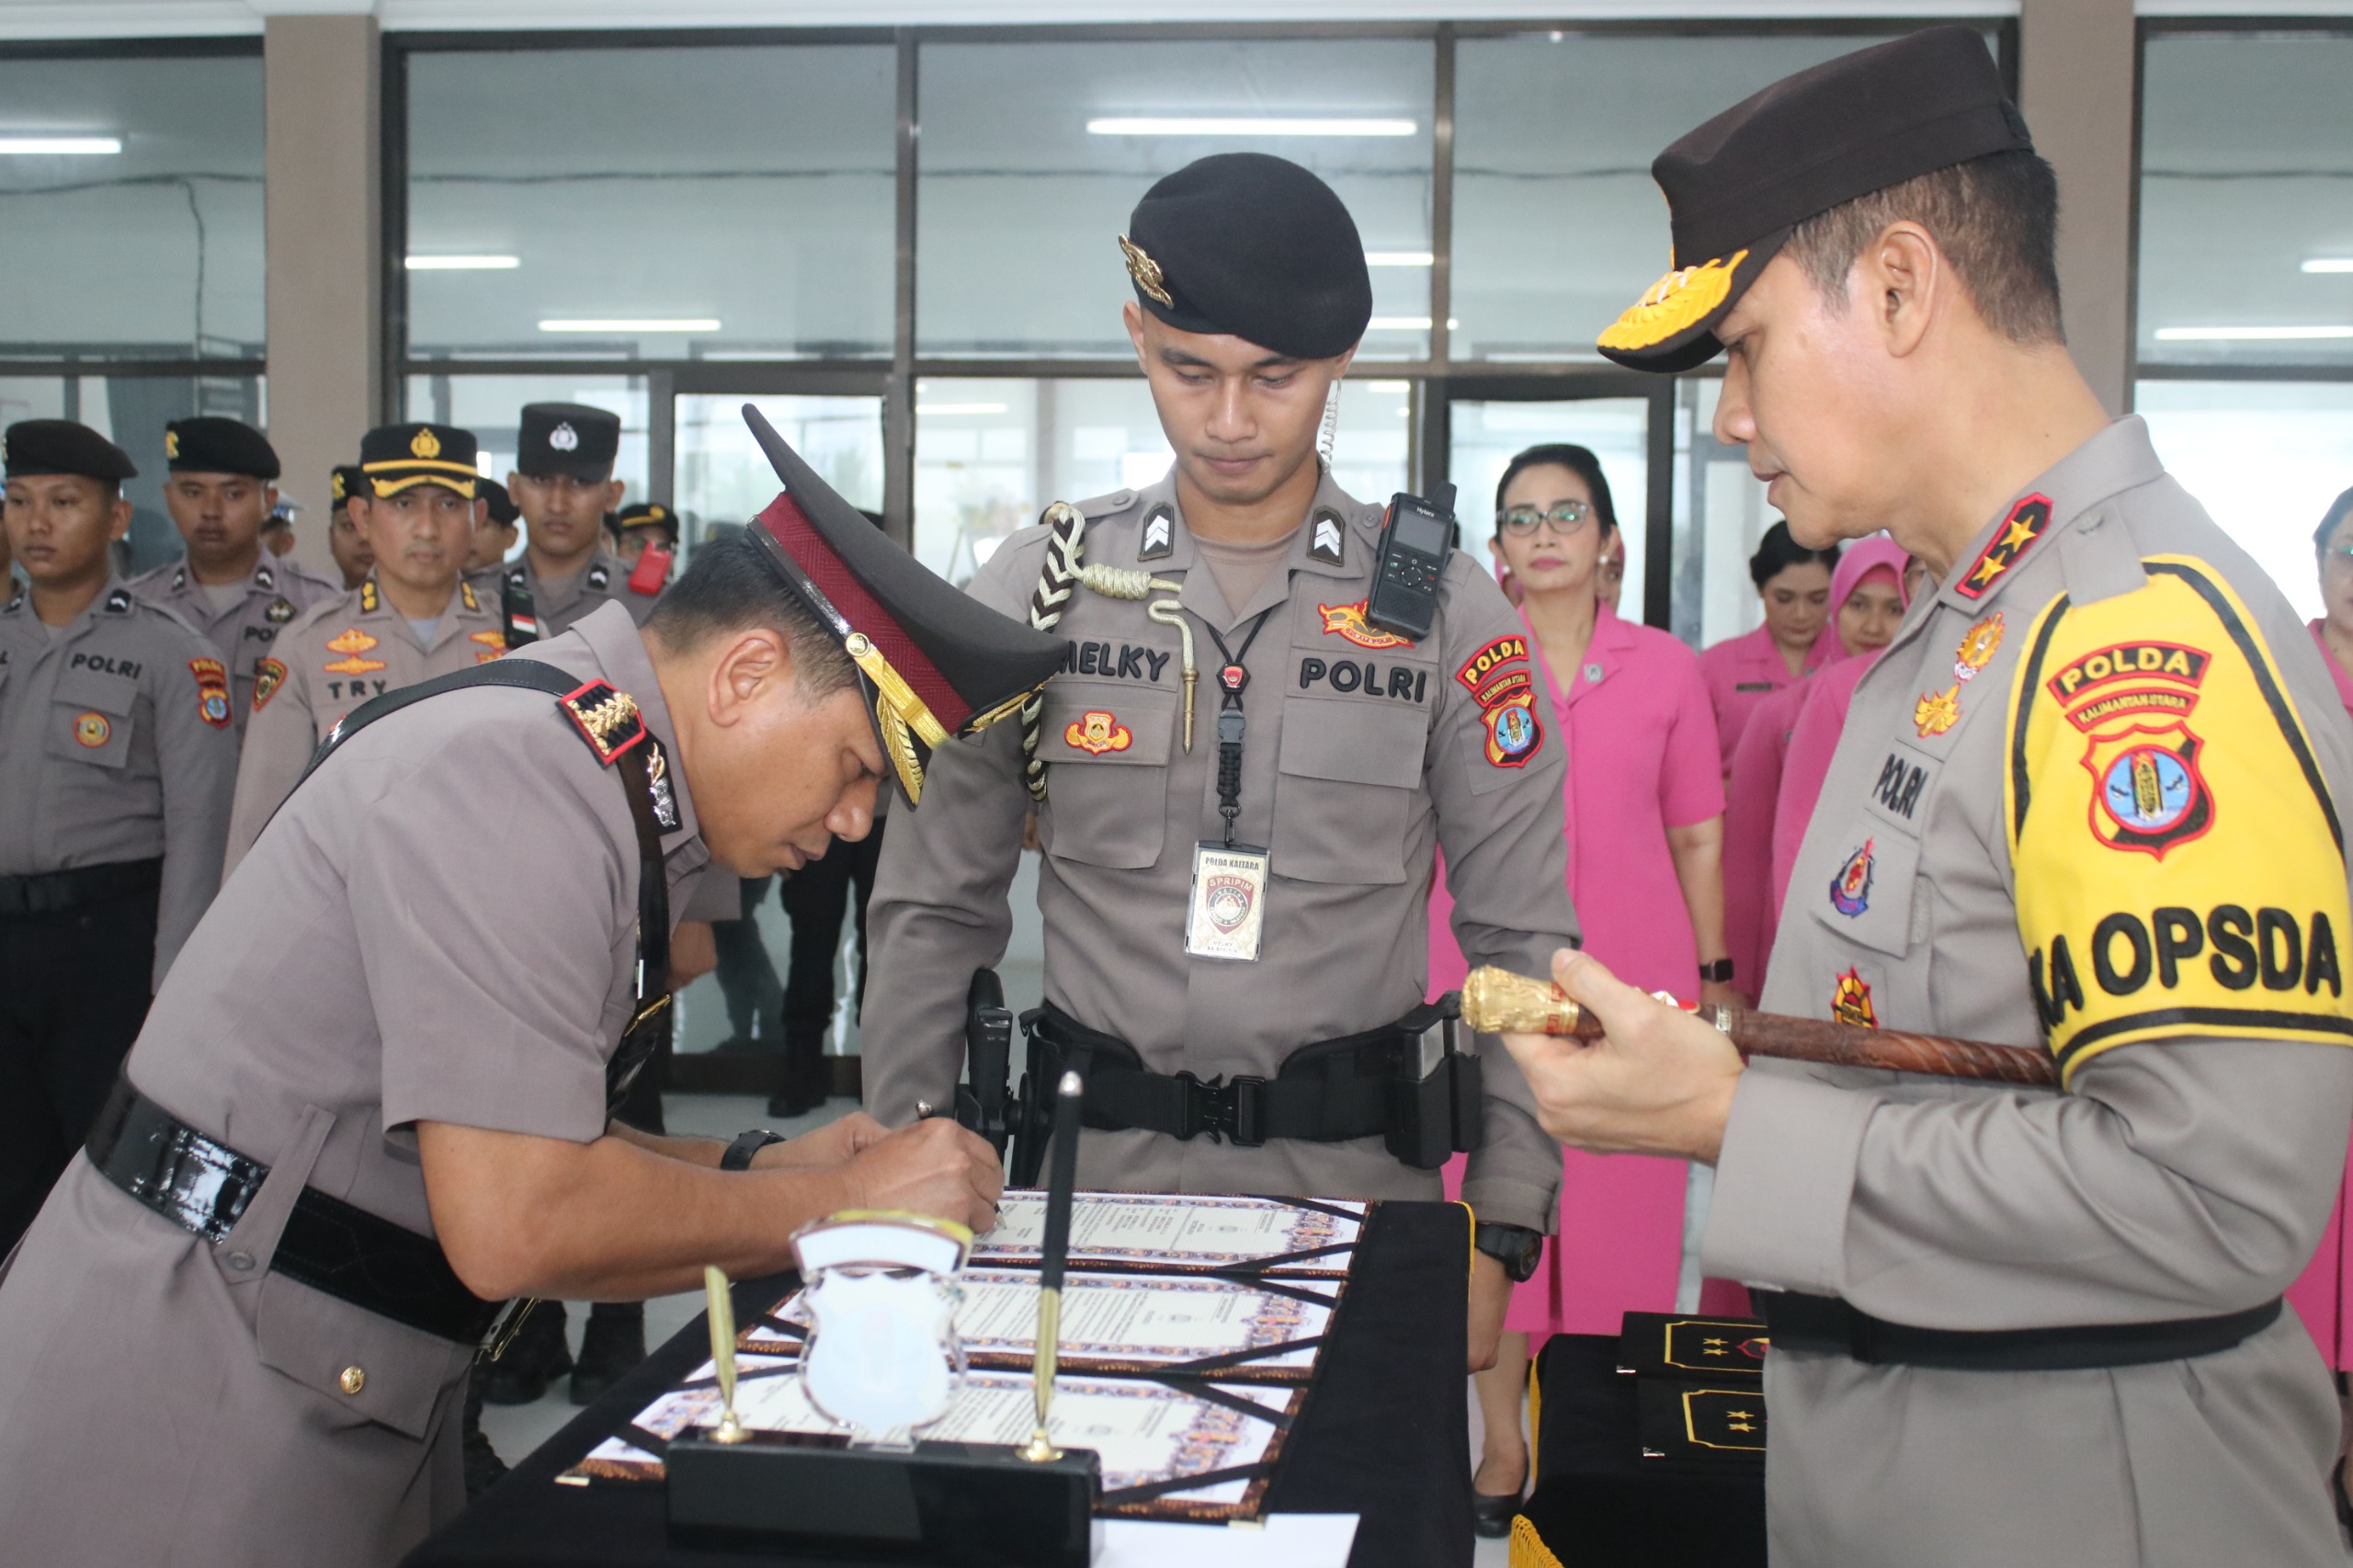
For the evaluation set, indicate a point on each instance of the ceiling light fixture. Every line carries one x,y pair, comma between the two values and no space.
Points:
939,408
1211,125
634,323
462,263
1407,324
59,146
1398,259
2330,263
2250,334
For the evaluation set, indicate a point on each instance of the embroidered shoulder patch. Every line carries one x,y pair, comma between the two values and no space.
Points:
1096,732
1487,675
606,719
1348,622
1513,734
212,691
268,675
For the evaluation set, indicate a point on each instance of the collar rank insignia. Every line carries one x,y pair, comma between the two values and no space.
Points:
2028,521
657,781
279,612
606,719
1159,533
466,592
179,579
368,598
265,576
118,602
598,577
1327,541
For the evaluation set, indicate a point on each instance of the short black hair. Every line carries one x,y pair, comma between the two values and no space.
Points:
1995,218
726,589
1778,551
2329,520
1578,460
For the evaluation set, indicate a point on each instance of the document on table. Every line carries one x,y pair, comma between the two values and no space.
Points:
1152,1436
1266,1330
1302,1237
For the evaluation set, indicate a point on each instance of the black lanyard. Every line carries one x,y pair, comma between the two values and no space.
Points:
1231,678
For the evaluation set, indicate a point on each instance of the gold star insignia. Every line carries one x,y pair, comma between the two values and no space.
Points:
2017,536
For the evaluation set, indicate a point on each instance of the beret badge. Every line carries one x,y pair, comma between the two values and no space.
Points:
1146,271
171,444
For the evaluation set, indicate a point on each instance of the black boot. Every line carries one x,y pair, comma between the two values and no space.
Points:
534,1358
613,1343
484,1468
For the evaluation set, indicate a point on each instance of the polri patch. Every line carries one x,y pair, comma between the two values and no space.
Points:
91,730
1484,674
279,612
268,675
1348,622
606,719
212,691
1096,732
1513,734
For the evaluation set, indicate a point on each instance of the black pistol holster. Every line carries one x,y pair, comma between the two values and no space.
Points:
985,1102
1411,1082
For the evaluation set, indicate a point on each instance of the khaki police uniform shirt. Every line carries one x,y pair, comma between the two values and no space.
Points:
278,591
2090,797
558,602
116,745
328,662
1364,754
164,1399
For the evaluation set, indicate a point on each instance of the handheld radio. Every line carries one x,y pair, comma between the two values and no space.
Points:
1415,538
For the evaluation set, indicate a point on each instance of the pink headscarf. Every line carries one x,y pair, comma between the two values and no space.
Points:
1859,561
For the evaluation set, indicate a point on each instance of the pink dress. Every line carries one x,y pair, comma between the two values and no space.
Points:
2319,1293
1741,672
1642,748
1822,717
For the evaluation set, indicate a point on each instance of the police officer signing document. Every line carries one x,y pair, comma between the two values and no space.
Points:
237,1332
1236,859
2092,797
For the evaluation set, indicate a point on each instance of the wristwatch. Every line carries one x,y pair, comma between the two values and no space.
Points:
1719,971
739,1153
1517,1247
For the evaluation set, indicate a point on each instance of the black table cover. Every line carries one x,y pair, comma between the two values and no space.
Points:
1382,1434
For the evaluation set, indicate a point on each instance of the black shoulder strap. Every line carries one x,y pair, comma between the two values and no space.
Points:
582,705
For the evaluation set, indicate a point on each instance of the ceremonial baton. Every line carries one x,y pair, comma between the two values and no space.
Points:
1496,1001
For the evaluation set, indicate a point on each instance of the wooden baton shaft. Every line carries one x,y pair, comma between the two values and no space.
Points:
1496,1001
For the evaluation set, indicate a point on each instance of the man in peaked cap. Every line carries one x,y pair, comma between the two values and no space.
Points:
220,490
642,524
412,617
552,810
564,483
1358,750
116,763
2094,793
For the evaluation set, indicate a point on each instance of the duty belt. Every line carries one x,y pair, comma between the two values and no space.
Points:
1404,1081
203,1187
1798,1321
54,893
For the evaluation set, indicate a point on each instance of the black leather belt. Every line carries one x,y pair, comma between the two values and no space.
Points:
1798,1321
203,1187
54,893
1359,1085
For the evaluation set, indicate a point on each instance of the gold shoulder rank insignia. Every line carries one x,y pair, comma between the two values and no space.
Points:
606,719
2026,523
466,592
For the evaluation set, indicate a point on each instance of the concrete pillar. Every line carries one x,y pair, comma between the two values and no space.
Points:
324,245
2077,62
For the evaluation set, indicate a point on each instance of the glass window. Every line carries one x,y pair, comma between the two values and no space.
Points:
1557,223
2247,238
130,207
492,407
652,204
1487,436
991,455
1033,156
723,477
2266,459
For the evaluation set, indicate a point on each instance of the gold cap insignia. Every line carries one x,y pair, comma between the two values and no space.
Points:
171,444
337,481
1146,271
424,444
1673,303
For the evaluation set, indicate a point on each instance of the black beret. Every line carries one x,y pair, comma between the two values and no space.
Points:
503,510
395,457
932,662
649,514
1254,246
210,445
570,439
62,446
1736,186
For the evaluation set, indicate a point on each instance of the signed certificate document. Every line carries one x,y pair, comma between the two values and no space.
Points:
1151,1438
1306,1238
1128,1322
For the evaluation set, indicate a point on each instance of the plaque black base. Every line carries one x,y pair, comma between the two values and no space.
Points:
967,1505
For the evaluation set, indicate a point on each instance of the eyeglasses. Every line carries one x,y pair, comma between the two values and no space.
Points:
1566,517
2338,555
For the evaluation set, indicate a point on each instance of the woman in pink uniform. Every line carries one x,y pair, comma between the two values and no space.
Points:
1742,672
1867,589
1644,809
2319,1294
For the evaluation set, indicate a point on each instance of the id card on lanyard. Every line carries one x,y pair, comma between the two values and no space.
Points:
1229,905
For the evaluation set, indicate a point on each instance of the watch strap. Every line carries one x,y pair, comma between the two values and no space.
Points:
1517,1247
739,1153
1719,971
